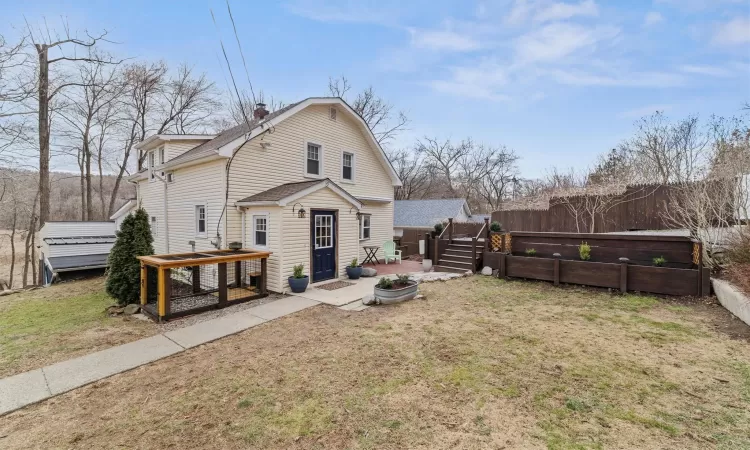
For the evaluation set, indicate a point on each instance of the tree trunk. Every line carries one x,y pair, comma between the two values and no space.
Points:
42,49
103,211
89,187
82,178
29,246
34,272
13,248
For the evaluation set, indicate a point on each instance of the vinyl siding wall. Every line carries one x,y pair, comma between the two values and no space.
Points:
255,169
296,233
196,185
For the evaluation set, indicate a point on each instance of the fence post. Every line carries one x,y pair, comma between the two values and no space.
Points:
474,254
501,272
426,246
144,284
196,279
222,284
624,275
557,269
435,251
486,233
450,229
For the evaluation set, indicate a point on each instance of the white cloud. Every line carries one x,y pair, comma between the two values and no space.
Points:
653,18
345,11
556,41
632,79
734,32
711,71
562,11
519,12
483,81
442,40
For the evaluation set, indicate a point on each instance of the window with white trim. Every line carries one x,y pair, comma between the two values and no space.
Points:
364,227
154,227
323,231
200,220
161,158
151,165
260,230
313,163
347,169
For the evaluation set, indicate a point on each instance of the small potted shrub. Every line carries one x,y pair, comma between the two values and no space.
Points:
354,270
584,251
438,229
530,252
659,261
298,281
496,227
393,291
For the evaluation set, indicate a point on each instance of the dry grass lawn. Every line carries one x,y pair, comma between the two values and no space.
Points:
481,363
66,320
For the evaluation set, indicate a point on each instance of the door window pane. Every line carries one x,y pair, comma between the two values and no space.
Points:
323,231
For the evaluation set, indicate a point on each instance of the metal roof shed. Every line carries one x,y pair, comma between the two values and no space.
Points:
72,246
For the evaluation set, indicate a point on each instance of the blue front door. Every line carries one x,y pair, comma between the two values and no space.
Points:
323,237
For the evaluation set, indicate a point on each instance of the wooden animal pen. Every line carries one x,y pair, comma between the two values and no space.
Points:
179,284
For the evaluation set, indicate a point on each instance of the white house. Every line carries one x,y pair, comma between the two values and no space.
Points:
123,212
308,182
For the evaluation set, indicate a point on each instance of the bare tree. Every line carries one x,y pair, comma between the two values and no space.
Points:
384,122
500,173
66,45
444,159
416,178
240,110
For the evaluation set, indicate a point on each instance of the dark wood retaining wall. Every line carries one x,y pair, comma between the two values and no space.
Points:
682,275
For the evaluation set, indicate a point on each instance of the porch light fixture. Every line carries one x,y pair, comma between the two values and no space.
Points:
301,213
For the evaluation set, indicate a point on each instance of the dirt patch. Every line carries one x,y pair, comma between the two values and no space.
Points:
480,363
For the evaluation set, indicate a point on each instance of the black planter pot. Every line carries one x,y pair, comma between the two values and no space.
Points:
298,284
354,272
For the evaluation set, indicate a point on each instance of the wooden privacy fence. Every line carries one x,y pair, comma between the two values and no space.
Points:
623,262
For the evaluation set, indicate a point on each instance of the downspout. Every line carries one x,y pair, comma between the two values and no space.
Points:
243,213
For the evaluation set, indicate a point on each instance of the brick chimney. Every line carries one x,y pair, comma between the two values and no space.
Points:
260,111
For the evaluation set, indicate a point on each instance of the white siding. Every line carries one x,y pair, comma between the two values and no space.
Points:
196,185
74,229
77,249
255,169
296,233
173,149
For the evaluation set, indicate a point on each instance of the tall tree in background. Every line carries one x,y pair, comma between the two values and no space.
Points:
416,178
67,46
383,120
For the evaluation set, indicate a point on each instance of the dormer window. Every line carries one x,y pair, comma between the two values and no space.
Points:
151,165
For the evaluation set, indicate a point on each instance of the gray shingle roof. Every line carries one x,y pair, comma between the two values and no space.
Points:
280,192
211,147
425,213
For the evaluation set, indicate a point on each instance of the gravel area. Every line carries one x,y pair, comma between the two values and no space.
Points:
208,315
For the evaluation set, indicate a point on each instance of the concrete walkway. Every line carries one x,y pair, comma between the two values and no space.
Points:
30,387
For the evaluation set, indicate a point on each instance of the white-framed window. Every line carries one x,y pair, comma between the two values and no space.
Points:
161,158
347,166
323,231
364,227
170,177
154,226
151,165
260,230
200,220
314,160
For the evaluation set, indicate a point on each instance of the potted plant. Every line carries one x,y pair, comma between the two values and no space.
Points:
496,227
354,270
659,261
530,252
438,229
393,291
584,251
298,281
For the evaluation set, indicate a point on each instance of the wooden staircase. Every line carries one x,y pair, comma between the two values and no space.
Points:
460,257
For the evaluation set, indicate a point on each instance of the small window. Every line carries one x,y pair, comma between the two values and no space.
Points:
364,227
170,177
200,220
260,231
154,227
151,165
161,155
313,159
348,167
332,113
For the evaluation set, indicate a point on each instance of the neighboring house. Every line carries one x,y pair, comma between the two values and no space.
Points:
308,182
74,246
123,212
424,214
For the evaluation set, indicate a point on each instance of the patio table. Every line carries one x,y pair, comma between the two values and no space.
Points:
370,251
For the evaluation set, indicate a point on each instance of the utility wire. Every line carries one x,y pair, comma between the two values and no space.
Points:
242,54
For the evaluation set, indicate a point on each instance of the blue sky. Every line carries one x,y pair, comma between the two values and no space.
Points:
558,81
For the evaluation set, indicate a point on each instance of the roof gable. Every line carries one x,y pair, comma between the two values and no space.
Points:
286,193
